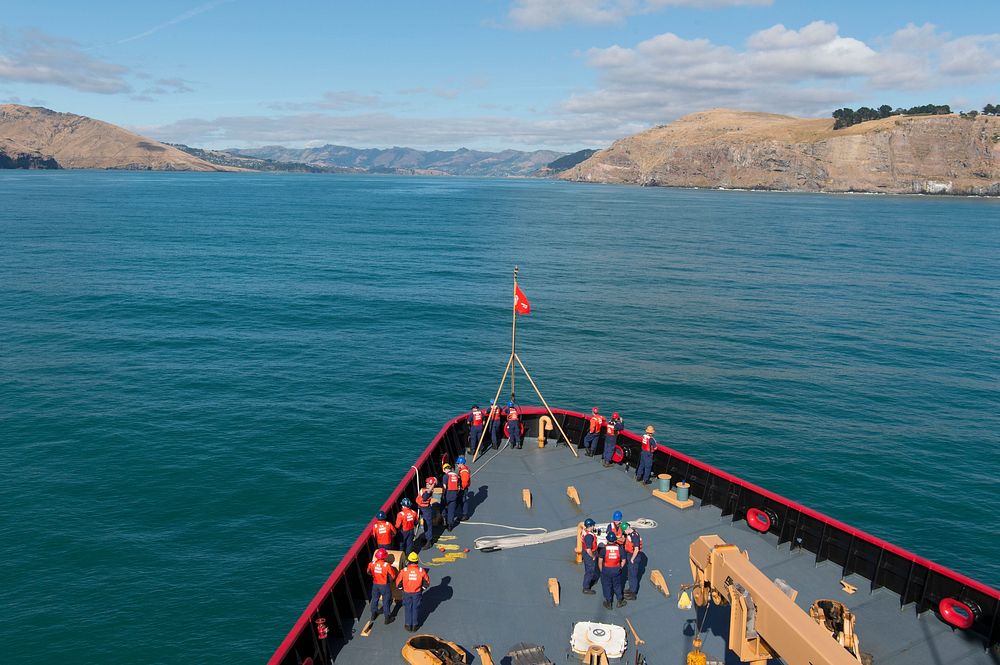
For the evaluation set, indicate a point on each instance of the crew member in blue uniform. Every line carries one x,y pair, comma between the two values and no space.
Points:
616,525
406,525
514,426
589,542
383,576
610,558
451,481
426,506
465,475
646,449
496,425
633,559
413,580
594,432
612,429
476,421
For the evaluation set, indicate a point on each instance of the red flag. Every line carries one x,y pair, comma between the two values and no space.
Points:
521,304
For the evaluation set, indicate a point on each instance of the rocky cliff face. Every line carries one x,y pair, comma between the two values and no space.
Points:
733,149
38,135
14,156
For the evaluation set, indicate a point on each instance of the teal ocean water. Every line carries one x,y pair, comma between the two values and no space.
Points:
208,382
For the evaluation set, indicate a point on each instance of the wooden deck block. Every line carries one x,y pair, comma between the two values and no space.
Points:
485,655
554,589
656,578
848,587
573,495
595,656
671,498
367,630
526,497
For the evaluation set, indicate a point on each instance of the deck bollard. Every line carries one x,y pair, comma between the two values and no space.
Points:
664,482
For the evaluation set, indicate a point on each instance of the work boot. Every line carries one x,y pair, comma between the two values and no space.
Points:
647,482
630,595
589,592
387,619
607,604
622,603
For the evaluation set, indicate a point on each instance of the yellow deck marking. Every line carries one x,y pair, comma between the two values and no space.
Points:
447,558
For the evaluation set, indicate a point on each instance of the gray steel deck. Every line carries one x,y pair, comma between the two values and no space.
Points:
501,598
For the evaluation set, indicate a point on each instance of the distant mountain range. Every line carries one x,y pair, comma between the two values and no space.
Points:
39,138
408,161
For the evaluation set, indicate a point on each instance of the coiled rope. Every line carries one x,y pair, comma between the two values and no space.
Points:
505,542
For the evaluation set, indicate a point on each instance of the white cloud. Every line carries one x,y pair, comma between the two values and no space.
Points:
36,57
332,100
384,130
808,71
536,14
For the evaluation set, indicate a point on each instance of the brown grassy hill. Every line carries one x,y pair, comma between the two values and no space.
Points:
78,142
738,149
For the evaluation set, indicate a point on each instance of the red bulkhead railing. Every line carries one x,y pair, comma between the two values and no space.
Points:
329,620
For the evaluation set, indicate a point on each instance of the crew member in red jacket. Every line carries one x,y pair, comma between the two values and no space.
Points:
383,530
406,523
466,477
514,426
610,558
451,482
633,559
413,580
427,509
594,433
476,420
383,576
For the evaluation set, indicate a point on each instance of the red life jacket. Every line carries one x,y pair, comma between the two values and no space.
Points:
648,443
611,431
382,572
477,418
592,548
613,556
630,546
617,528
424,498
511,414
383,532
595,424
412,578
465,475
452,482
406,519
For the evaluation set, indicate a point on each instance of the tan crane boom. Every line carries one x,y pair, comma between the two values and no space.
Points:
764,622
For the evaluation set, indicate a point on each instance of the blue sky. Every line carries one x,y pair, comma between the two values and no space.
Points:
495,74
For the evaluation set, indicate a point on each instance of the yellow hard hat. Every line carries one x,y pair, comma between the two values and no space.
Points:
446,466
649,429
413,557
